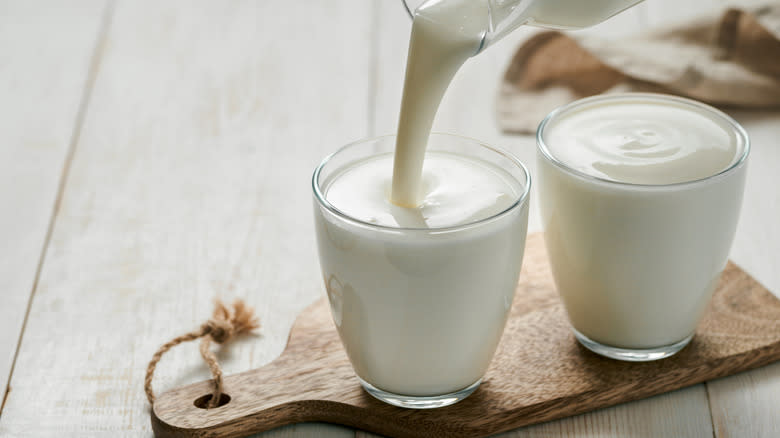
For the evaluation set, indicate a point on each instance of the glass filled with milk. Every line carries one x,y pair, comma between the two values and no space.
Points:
420,295
640,196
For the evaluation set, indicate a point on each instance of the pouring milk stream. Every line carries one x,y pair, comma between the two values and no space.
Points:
445,33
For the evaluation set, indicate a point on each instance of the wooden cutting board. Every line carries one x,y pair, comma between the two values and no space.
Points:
539,372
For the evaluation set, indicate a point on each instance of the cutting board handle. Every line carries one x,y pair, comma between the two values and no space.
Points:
539,372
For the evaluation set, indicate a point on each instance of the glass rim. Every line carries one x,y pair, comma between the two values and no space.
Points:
742,138
323,201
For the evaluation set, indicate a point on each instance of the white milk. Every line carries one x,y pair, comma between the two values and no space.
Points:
643,142
445,33
420,309
635,250
456,191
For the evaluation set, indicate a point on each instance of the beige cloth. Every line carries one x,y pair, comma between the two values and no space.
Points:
729,60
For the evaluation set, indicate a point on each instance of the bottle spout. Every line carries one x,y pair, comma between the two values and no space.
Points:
504,16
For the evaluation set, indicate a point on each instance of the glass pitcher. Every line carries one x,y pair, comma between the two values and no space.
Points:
504,16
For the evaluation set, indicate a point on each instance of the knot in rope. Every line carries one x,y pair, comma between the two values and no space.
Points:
220,330
224,325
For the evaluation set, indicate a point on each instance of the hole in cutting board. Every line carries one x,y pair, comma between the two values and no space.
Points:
202,402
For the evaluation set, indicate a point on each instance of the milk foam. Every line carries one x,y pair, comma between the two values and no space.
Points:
455,190
642,141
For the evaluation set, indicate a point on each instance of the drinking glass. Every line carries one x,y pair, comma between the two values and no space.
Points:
420,310
636,264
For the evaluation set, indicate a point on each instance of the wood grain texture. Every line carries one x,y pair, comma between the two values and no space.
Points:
191,179
176,86
658,416
42,82
319,430
746,404
539,373
749,404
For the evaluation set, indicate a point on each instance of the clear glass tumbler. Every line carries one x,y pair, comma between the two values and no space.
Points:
420,310
636,264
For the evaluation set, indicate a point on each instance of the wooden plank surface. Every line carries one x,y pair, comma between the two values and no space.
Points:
191,178
42,81
172,197
748,404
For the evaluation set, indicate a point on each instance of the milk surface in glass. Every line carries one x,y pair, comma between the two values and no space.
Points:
640,196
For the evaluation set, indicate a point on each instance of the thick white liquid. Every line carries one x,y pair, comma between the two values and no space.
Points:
445,33
420,311
636,265
455,190
642,142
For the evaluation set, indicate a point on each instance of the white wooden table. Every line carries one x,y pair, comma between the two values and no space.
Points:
156,154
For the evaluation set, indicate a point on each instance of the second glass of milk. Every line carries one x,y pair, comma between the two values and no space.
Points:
420,296
640,196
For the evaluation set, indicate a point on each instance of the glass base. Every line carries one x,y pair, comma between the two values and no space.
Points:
419,402
631,355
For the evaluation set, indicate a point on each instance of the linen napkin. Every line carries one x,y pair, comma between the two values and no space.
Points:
732,59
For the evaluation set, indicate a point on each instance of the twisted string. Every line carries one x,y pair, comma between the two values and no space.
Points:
224,325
